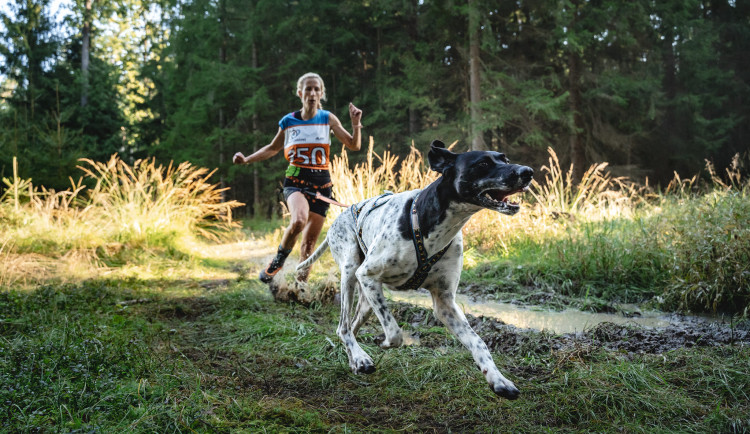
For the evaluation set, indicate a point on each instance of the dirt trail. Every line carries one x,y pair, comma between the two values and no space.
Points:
630,338
627,338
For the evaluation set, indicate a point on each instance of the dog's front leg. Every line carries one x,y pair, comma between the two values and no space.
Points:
372,289
359,361
448,312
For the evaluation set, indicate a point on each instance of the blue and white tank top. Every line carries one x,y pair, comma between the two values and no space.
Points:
307,143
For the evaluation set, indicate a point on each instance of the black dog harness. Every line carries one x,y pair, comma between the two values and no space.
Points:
375,203
424,264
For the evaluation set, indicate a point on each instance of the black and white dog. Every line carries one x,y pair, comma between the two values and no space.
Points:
413,240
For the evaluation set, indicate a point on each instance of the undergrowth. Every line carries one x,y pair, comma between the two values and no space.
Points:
167,340
146,356
112,215
684,248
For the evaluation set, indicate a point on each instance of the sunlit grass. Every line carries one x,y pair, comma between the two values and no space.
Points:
602,236
377,175
685,247
167,336
114,214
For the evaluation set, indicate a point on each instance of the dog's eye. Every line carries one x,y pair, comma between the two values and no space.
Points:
482,165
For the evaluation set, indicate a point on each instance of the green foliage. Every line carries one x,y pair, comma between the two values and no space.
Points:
42,121
711,248
153,355
686,248
661,85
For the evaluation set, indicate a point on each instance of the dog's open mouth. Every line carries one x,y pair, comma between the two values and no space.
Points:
500,200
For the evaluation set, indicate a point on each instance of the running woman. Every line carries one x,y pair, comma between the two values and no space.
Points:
305,137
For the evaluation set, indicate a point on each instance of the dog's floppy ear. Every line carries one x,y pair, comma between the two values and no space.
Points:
439,157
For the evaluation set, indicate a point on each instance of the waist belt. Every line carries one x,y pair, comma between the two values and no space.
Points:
311,190
301,183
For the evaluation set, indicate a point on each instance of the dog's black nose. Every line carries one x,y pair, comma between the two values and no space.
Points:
525,173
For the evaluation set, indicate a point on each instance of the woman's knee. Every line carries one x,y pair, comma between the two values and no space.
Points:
298,223
300,211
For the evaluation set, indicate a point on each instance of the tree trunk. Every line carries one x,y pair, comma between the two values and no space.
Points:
475,95
85,50
664,153
256,177
577,152
412,30
222,61
413,123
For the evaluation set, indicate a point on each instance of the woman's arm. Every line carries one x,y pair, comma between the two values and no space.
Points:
352,142
263,153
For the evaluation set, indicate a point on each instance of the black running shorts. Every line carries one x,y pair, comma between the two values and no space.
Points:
309,182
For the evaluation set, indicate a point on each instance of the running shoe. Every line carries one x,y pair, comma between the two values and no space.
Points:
273,268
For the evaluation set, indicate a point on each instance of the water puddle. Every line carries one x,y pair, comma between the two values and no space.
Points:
567,321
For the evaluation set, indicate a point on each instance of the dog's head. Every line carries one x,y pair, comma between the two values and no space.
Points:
482,178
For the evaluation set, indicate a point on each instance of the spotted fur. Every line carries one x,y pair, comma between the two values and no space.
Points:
470,182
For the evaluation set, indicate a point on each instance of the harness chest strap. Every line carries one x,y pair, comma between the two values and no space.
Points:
424,264
356,211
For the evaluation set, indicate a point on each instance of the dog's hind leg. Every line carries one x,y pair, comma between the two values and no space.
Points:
447,311
372,289
359,361
363,312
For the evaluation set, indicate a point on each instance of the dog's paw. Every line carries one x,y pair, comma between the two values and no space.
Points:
363,366
506,389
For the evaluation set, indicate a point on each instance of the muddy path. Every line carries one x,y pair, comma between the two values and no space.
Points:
667,332
628,338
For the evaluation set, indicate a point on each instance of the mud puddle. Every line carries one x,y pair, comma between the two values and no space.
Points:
506,327
558,322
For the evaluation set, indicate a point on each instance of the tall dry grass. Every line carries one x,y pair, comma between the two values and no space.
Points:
379,173
709,242
148,198
551,202
601,236
113,207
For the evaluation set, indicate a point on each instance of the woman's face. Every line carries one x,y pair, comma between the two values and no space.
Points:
311,93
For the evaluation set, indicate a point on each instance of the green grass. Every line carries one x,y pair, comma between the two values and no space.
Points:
602,240
687,253
128,324
172,356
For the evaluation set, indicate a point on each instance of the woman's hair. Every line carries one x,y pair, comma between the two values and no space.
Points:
301,82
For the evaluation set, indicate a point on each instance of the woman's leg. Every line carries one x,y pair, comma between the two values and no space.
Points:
299,210
310,235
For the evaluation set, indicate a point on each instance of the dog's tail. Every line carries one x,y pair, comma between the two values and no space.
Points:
314,257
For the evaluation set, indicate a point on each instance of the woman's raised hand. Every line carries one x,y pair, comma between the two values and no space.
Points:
355,114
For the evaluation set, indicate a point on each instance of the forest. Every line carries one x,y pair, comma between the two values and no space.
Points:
651,87
616,299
